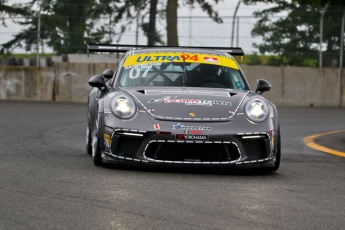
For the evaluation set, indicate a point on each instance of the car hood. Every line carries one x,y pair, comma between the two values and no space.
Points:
189,104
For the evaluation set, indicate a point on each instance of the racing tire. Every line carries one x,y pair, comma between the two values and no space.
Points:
88,139
96,144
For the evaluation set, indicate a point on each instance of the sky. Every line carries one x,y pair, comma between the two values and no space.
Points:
198,31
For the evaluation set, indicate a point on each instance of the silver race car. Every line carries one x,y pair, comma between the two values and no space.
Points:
180,106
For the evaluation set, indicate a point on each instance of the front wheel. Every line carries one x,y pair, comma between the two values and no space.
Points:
278,156
88,139
96,145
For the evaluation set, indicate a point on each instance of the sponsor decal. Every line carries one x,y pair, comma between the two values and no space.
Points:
211,59
186,127
108,129
144,65
106,140
194,132
191,137
190,101
271,134
192,92
149,58
160,100
156,126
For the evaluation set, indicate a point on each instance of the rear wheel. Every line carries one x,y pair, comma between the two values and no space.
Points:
96,145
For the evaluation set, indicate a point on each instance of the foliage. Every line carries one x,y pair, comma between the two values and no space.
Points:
11,10
70,24
295,38
66,25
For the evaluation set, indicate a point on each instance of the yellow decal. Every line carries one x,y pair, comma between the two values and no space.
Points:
107,139
158,58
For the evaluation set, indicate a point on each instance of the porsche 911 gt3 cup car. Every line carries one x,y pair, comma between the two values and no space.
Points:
180,106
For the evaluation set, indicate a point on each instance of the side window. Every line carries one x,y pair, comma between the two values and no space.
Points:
237,80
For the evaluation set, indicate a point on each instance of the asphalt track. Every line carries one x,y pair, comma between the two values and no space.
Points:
47,181
332,142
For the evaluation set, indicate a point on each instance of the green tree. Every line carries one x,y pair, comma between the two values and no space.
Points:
66,25
295,37
8,10
72,24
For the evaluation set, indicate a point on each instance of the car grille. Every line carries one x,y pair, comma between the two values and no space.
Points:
125,146
192,152
256,149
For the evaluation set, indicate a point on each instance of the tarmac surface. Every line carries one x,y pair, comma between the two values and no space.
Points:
48,181
334,141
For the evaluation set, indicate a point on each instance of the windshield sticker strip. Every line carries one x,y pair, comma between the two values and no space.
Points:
154,58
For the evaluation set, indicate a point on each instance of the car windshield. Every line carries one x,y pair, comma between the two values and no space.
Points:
193,70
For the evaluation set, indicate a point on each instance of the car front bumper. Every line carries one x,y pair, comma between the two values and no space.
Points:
257,149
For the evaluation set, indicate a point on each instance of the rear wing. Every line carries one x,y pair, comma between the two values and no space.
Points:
235,51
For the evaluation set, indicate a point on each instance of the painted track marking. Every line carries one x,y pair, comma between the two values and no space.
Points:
309,141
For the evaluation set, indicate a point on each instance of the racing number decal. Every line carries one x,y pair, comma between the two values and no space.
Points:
135,72
188,57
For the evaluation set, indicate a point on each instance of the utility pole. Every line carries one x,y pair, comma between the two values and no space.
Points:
341,59
342,42
38,38
238,32
321,33
233,23
138,16
190,25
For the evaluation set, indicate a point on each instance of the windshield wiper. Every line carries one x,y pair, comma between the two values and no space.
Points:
184,82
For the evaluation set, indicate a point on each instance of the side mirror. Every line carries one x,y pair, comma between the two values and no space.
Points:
108,73
97,81
262,86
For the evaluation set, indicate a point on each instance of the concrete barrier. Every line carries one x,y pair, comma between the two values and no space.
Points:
71,79
66,81
300,86
26,83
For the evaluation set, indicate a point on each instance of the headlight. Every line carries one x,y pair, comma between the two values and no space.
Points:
123,107
256,110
